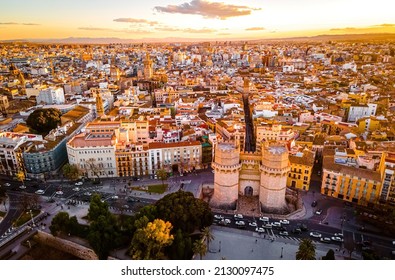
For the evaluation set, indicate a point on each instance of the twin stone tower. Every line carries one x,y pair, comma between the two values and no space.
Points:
260,174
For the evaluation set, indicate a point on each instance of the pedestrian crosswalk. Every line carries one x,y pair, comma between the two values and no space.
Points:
273,236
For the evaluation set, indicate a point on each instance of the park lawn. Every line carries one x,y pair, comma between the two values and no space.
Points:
157,188
25,217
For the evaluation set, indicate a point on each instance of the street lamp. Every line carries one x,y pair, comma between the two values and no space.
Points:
31,215
282,249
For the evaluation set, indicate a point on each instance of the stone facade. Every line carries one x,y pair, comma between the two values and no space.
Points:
252,174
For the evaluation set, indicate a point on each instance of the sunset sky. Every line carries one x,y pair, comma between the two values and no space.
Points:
222,19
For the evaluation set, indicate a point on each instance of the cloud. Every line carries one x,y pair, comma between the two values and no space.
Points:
224,34
17,23
136,20
385,25
95,29
29,23
207,9
130,31
185,30
343,29
8,23
255,29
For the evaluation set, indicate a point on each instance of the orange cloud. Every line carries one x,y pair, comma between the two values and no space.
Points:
255,29
16,23
207,9
185,30
136,20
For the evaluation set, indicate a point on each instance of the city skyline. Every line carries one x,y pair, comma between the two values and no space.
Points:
220,19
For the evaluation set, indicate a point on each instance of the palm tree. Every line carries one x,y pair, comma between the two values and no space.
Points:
199,248
208,235
306,250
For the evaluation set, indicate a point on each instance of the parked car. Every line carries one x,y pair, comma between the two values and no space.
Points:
314,204
264,219
59,192
284,222
238,216
7,184
325,239
39,191
284,233
218,217
224,222
318,212
240,223
339,234
76,189
276,224
260,230
315,234
22,187
337,238
252,224
79,183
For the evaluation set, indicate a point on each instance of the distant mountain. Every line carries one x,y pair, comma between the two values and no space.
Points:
114,40
341,37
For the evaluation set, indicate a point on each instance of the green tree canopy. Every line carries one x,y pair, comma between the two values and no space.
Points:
103,233
44,120
60,223
97,208
306,250
71,171
184,211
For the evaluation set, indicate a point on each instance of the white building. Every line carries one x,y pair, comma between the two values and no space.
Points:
51,96
359,111
11,160
93,153
181,157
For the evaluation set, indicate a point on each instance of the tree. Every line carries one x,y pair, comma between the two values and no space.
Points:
208,235
306,250
330,255
97,208
20,175
184,211
162,175
95,168
187,214
59,223
148,241
199,248
103,233
44,120
71,171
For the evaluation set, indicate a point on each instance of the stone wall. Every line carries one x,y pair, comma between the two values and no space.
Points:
66,246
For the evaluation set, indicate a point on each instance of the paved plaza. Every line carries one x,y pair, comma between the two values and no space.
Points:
235,244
